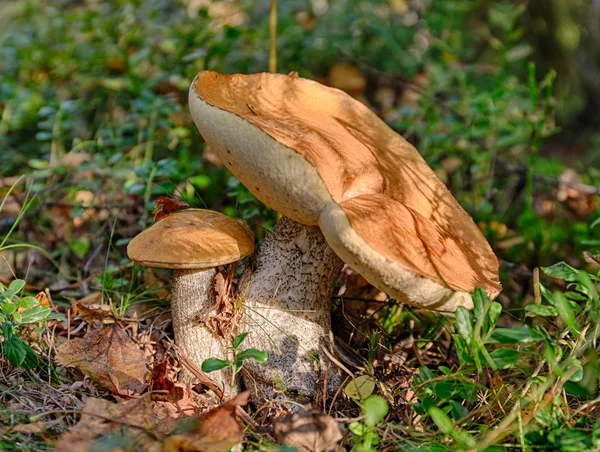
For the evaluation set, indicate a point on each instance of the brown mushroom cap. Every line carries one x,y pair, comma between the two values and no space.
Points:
192,239
319,156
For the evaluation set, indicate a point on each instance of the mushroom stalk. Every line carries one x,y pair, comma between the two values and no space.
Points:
288,309
191,302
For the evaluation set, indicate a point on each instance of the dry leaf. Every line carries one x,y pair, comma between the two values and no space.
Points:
131,419
93,298
189,404
347,78
579,198
110,358
159,382
94,313
44,299
215,431
308,431
164,206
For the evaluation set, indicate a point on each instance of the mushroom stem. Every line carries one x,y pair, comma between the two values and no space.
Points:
191,301
288,309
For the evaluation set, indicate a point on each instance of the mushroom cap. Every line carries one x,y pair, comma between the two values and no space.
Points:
320,157
192,239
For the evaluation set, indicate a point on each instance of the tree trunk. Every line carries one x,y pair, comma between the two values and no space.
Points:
287,309
191,301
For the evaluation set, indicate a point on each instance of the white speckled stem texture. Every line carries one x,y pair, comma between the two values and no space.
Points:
288,308
191,300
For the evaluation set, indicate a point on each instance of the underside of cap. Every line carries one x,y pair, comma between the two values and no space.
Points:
319,156
404,254
192,239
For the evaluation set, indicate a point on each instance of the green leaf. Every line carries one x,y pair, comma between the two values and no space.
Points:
441,419
13,288
7,330
252,353
360,388
569,440
27,302
464,323
479,300
562,270
36,314
541,310
445,424
458,410
15,350
212,364
8,308
505,357
585,280
425,374
357,428
494,314
374,409
80,246
563,307
578,375
239,339
443,389
201,181
596,433
514,335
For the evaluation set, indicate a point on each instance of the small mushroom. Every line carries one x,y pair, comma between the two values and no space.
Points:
352,188
193,243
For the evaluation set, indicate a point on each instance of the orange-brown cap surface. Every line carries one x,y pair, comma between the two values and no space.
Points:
191,239
320,157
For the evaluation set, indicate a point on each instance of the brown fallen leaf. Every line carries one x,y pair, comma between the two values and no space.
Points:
308,431
182,402
110,358
101,313
44,299
163,389
91,299
164,206
132,420
215,431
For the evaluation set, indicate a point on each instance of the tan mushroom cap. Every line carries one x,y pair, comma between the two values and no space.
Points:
192,239
319,156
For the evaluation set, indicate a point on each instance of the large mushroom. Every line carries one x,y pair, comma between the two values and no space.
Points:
193,242
351,188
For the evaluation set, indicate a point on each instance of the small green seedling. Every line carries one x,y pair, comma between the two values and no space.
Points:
239,358
15,312
374,409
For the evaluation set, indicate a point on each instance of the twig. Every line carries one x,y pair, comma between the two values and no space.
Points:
273,37
201,376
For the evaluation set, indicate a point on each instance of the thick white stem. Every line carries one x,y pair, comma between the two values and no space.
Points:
287,308
191,302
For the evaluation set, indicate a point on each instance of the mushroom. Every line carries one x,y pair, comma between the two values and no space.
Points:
193,242
351,188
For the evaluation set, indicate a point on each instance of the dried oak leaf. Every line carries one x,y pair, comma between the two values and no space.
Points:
130,422
308,431
110,358
215,431
164,206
